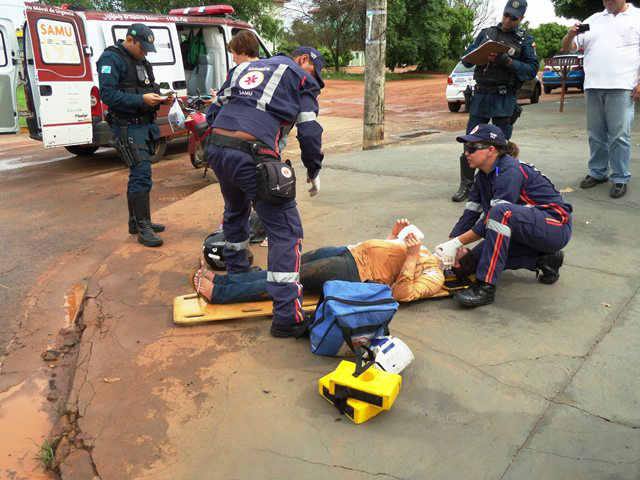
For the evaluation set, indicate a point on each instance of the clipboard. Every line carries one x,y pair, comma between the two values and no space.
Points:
480,56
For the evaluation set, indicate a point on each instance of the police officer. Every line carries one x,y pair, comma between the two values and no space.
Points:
495,97
253,105
516,209
127,86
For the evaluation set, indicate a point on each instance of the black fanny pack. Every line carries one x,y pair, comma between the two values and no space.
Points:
276,179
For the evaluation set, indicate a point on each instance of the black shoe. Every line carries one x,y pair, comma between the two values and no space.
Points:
589,181
133,229
618,190
462,193
282,330
478,294
548,267
146,235
466,180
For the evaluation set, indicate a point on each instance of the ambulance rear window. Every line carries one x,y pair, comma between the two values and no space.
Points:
58,42
164,54
4,60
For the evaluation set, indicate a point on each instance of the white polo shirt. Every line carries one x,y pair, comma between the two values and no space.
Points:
611,49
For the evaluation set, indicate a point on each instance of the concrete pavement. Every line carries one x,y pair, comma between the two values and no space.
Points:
542,384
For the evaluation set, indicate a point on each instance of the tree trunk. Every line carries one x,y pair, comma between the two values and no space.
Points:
375,51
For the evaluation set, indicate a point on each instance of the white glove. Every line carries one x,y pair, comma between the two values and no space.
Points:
315,185
447,251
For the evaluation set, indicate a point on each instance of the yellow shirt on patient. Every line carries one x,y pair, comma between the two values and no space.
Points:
382,261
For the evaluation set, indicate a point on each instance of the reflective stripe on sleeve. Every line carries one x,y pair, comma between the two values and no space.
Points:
498,201
239,246
306,117
283,277
270,88
473,206
224,98
501,228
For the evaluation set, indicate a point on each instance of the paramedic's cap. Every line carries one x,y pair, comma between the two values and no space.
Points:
516,8
484,133
143,34
317,59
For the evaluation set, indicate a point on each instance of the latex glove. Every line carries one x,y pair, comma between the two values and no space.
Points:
315,185
503,60
447,251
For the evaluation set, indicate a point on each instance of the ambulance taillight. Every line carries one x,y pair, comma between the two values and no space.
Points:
96,105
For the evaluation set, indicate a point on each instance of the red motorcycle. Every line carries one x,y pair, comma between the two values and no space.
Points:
195,122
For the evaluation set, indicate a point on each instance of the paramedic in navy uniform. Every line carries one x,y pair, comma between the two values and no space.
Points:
254,103
495,95
128,88
516,209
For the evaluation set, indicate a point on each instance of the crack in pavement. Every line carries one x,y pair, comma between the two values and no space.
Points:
608,420
552,401
532,359
327,464
582,458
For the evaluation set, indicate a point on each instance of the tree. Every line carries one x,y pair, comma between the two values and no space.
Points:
548,37
579,9
481,10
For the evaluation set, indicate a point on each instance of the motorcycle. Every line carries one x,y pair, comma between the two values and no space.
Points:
195,122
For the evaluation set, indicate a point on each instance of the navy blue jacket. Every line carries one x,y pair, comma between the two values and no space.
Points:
263,96
510,181
525,67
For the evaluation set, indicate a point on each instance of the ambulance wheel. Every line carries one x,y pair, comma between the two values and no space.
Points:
199,157
82,150
161,148
454,106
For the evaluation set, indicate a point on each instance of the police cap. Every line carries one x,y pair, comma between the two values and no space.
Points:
516,8
143,34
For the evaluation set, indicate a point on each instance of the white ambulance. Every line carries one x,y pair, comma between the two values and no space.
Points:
62,47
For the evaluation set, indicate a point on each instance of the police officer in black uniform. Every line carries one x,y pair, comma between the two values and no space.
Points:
128,88
495,96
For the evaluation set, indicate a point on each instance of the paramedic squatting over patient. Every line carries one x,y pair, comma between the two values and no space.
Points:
516,209
399,261
252,105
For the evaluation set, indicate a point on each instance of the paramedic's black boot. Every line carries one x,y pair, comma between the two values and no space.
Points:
548,267
466,180
479,293
282,330
157,227
146,235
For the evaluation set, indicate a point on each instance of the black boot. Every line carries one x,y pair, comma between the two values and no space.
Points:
157,227
466,180
479,293
548,267
140,205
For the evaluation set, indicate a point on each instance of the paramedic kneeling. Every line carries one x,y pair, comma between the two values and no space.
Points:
128,87
516,209
253,104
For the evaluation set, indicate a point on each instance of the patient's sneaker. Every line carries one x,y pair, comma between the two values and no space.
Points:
548,267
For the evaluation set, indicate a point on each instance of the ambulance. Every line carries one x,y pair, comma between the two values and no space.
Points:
61,50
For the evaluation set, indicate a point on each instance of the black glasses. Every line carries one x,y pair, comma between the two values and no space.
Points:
513,18
474,147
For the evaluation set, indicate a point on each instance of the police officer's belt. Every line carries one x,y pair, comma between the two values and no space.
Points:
500,89
138,120
242,145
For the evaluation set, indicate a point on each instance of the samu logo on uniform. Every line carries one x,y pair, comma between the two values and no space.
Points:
251,80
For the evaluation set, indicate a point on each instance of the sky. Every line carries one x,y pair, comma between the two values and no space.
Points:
12,9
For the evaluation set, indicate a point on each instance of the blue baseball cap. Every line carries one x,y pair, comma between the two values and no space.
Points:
516,8
484,133
316,57
143,34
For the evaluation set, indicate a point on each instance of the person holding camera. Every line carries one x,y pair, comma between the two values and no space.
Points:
611,43
495,96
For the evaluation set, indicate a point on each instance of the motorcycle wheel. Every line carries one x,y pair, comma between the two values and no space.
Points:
199,157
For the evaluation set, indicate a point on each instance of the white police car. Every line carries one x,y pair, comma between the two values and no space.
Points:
461,77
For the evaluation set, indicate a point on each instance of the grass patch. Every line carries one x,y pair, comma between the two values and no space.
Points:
389,76
47,452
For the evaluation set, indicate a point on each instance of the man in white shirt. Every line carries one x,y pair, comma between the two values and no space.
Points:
611,65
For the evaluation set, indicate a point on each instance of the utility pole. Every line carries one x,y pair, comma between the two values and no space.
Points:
375,60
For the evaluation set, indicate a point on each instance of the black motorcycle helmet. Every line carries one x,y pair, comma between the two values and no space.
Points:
213,249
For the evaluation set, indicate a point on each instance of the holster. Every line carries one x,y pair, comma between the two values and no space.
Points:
126,147
516,114
468,98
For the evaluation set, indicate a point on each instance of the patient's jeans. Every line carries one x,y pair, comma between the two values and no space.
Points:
318,266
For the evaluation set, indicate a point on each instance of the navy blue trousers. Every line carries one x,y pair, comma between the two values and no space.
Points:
515,235
140,173
236,173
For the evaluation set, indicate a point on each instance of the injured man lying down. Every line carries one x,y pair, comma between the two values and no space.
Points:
400,261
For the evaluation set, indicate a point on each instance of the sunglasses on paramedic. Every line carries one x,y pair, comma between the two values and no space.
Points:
513,18
474,147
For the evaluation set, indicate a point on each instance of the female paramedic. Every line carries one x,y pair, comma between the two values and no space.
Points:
516,210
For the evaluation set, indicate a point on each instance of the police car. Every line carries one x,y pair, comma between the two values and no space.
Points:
461,77
551,78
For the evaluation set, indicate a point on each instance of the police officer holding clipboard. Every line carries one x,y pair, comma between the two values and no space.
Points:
495,97
128,88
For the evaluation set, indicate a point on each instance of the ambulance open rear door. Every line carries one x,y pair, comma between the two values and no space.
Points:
59,75
9,56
